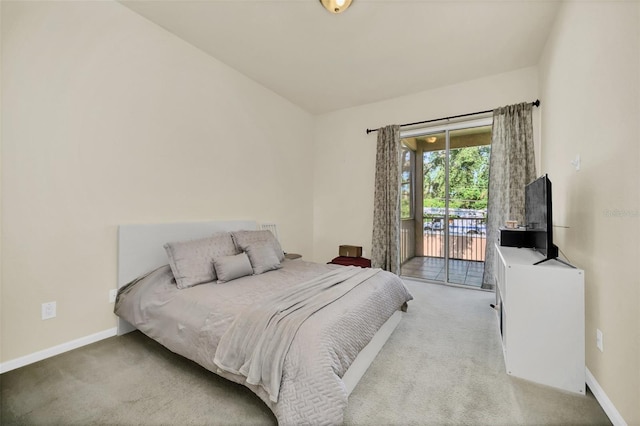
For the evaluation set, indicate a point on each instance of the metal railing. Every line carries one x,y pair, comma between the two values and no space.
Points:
467,238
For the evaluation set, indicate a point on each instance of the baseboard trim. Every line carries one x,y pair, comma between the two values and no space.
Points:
56,350
604,400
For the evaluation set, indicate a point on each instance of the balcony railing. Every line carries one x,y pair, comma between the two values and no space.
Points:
467,238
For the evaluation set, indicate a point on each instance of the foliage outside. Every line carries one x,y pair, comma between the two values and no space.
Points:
406,210
468,178
468,181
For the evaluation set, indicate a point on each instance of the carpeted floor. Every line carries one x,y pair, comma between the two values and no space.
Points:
443,365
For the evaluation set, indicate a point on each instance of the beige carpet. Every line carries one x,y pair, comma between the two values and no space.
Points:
443,365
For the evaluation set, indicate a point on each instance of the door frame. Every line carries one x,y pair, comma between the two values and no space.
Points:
445,128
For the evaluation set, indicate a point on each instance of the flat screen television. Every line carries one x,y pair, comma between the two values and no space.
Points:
539,217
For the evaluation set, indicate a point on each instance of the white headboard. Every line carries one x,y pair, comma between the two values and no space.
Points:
141,247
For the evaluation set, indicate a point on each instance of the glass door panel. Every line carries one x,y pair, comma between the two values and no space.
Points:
468,161
408,217
434,172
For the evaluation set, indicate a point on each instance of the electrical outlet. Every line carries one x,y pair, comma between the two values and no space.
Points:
599,340
48,310
112,295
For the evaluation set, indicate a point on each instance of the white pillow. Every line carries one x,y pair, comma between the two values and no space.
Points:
231,267
192,261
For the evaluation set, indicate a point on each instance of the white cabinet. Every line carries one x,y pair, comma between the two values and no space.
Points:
541,318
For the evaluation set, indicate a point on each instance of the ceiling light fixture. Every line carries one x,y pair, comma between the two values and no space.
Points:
336,6
431,139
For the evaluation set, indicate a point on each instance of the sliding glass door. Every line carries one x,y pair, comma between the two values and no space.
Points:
452,180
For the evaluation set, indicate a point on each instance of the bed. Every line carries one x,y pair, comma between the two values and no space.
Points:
298,334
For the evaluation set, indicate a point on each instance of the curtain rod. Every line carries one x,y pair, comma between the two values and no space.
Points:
535,103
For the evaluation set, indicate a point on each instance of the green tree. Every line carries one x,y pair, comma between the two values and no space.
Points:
405,185
468,178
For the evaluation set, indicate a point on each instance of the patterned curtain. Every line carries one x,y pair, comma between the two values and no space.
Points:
512,166
385,252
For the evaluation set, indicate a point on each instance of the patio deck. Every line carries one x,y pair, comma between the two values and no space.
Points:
465,272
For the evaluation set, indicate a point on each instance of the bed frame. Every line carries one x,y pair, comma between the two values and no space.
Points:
140,250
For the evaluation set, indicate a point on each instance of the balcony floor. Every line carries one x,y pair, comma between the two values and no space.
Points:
465,272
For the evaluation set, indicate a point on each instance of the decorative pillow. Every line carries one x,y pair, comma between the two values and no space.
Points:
244,238
262,257
192,261
231,267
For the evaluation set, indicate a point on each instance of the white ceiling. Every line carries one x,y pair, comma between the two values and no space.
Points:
376,50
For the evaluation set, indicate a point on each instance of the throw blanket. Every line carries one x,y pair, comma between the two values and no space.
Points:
257,342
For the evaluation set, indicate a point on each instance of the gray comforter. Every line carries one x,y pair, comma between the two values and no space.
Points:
258,340
192,322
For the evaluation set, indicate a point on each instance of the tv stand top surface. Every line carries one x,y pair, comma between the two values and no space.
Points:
528,256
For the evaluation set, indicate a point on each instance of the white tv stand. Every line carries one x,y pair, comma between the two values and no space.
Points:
541,314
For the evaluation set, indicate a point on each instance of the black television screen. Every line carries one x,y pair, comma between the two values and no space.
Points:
539,217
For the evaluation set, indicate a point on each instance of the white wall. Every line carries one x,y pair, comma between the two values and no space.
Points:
590,87
344,154
109,119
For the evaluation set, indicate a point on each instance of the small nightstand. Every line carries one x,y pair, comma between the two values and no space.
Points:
292,256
